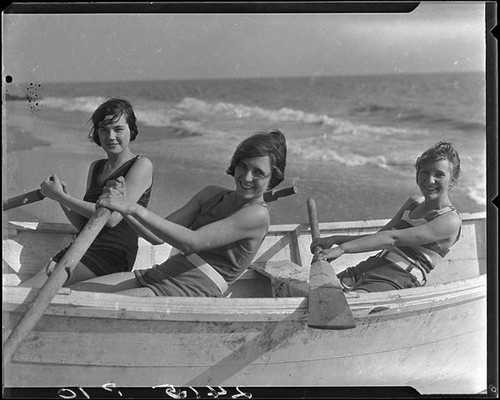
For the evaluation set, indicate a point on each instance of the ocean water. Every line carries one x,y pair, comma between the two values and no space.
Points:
354,136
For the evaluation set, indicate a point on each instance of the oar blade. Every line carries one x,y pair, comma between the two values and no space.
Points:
273,195
328,307
22,200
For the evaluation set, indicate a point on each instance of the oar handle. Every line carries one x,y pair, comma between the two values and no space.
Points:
313,222
273,195
55,281
22,199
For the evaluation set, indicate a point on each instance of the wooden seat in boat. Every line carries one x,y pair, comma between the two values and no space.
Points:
287,278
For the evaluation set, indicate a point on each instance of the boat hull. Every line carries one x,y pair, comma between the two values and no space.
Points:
431,338
434,343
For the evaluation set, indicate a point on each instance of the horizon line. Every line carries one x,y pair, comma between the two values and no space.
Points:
244,78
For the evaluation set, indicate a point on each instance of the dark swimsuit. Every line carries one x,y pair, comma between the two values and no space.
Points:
177,276
114,249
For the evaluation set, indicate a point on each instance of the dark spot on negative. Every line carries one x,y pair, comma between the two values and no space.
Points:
33,97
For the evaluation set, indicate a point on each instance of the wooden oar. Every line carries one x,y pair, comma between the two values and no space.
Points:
36,195
22,200
54,282
273,195
328,308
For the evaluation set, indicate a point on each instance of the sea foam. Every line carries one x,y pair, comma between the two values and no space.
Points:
337,126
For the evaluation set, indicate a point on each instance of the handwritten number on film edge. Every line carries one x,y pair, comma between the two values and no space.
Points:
171,391
72,395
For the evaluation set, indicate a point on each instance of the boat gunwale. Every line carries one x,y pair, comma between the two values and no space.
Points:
111,305
50,227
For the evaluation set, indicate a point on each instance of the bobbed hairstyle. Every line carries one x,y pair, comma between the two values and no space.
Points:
109,112
441,151
270,143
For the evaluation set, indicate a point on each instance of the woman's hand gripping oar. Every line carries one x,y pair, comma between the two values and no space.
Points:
328,307
54,282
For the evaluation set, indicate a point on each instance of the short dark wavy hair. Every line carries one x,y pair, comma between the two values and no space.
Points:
441,151
265,143
115,107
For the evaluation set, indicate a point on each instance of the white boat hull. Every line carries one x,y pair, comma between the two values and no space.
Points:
432,338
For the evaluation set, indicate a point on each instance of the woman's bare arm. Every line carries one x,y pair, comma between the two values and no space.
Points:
441,228
138,179
247,223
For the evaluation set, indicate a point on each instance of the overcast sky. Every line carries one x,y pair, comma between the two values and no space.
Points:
436,37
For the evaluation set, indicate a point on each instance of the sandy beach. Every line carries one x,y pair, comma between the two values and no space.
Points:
51,141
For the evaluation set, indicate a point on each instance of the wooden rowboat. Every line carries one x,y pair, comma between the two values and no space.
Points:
431,338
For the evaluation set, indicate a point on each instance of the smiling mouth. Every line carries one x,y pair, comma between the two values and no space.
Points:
246,187
430,189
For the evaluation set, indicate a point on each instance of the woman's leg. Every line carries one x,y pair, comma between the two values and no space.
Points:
111,283
36,280
80,273
139,292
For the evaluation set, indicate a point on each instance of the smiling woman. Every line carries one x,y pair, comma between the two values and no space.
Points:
115,248
218,231
251,169
250,176
422,231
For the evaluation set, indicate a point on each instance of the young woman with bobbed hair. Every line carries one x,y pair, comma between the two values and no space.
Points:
421,233
218,231
114,126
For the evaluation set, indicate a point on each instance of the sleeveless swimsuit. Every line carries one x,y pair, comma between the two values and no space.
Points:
177,276
399,267
114,249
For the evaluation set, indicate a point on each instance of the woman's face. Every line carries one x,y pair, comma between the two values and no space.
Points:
252,177
434,178
115,136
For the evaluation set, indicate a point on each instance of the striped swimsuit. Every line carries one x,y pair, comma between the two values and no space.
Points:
399,267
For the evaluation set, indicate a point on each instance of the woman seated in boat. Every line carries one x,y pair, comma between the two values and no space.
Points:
420,233
218,231
115,248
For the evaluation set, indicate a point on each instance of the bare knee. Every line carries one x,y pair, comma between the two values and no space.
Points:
79,274
36,280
